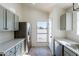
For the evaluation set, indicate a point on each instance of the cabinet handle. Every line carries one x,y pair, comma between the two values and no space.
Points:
14,22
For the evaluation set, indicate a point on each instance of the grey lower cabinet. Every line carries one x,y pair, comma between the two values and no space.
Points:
58,50
15,51
19,49
23,48
2,18
11,52
68,52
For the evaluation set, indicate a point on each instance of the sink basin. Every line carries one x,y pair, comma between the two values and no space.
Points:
74,46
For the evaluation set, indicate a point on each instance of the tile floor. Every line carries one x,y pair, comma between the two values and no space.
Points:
40,51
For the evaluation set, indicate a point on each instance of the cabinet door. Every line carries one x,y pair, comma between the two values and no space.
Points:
19,49
1,18
66,21
63,22
58,49
16,25
69,21
23,47
10,21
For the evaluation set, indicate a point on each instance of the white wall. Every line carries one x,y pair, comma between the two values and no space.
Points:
4,36
33,15
55,18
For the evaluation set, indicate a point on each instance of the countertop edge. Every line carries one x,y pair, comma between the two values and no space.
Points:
19,41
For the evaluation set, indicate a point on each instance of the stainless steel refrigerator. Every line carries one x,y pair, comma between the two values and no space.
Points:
24,32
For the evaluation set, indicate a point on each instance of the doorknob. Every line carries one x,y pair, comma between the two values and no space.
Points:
50,36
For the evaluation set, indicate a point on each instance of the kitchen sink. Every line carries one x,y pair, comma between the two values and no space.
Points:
74,46
71,45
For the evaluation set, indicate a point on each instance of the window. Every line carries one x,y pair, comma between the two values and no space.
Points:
42,32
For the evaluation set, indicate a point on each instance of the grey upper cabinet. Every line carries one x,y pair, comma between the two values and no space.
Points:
69,21
63,22
16,25
2,14
8,20
66,21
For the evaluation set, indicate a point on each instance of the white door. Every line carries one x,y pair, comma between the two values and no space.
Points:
50,40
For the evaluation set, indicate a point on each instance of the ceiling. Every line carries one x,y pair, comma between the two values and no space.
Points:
48,7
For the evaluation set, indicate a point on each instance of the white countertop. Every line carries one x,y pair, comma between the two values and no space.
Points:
67,43
5,46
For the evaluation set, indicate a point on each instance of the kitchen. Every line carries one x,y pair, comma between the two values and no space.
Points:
40,26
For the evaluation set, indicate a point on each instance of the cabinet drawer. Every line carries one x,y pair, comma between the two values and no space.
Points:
69,52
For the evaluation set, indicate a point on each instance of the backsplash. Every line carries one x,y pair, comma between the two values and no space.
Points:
4,36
